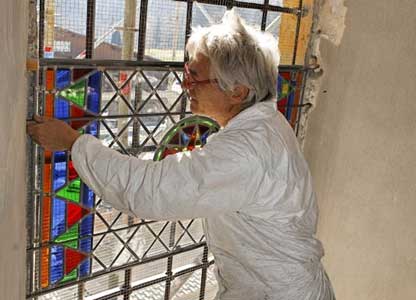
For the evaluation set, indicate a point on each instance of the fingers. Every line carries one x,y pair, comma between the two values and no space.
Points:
39,119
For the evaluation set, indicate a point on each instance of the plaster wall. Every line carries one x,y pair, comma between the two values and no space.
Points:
13,37
361,147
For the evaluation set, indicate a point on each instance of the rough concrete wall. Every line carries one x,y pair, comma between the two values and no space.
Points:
13,39
361,147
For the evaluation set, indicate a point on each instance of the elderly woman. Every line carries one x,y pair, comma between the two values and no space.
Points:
250,183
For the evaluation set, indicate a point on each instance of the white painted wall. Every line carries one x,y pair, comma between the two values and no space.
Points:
361,147
13,37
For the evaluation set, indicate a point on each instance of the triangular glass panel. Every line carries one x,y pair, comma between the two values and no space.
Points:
72,173
71,276
83,116
71,191
75,213
96,266
70,235
78,73
73,258
75,93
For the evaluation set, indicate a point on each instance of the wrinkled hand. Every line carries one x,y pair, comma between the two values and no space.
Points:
52,134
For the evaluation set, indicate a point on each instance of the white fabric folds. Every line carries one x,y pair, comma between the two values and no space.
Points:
252,187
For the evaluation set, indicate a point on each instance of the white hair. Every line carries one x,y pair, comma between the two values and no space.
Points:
238,54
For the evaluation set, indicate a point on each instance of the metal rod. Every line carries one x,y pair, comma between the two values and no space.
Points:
264,17
299,19
142,30
112,64
90,30
189,6
41,27
170,261
228,3
124,65
204,273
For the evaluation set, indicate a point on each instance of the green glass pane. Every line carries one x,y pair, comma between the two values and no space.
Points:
71,276
75,93
167,145
287,89
71,191
70,237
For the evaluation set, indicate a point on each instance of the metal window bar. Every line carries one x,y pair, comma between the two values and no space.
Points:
35,204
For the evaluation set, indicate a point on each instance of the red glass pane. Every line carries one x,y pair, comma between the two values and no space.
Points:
75,213
72,259
169,152
78,73
77,112
72,173
282,105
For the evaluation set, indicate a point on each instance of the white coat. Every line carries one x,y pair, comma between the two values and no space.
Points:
252,187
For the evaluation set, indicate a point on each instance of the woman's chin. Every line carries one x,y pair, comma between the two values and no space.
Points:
194,107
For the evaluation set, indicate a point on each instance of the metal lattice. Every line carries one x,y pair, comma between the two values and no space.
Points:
129,98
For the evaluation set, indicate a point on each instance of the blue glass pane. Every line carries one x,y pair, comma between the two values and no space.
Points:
279,84
184,138
57,263
58,217
204,137
63,78
87,196
86,226
59,170
61,109
94,91
85,246
92,128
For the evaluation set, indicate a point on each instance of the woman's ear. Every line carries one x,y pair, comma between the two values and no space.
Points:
239,93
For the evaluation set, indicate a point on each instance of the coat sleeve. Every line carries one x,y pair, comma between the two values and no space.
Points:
202,183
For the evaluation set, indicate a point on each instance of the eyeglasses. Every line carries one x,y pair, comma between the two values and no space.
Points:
189,82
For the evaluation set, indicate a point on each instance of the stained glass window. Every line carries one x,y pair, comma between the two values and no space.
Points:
66,210
129,97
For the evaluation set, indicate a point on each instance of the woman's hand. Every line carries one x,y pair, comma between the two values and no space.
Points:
52,134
